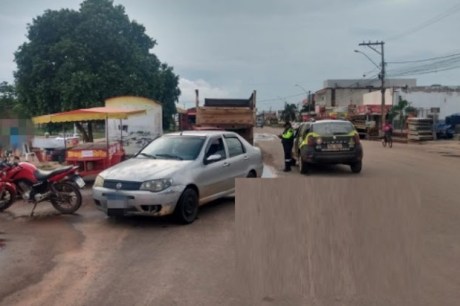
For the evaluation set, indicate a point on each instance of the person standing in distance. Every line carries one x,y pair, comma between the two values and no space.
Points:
287,140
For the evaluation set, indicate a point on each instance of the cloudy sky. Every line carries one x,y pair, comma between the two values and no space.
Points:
230,48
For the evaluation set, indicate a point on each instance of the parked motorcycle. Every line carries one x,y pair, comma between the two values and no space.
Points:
24,180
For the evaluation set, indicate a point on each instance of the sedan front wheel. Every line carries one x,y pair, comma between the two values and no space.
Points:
187,208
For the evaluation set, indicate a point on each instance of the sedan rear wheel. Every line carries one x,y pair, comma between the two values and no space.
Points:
187,208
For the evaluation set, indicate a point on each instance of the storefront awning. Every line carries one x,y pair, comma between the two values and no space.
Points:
87,114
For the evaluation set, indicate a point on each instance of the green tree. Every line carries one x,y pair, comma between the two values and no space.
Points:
290,112
399,112
77,59
9,107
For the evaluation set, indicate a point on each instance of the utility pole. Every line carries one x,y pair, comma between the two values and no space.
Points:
307,95
381,76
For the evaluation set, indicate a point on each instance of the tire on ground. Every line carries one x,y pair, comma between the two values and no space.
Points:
70,187
356,167
186,209
303,166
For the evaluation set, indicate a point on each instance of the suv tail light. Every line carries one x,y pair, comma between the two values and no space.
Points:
356,138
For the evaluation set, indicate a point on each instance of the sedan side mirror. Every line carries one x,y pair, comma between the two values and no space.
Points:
213,158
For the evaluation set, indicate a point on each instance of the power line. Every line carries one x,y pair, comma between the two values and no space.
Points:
425,60
371,71
427,23
433,70
433,66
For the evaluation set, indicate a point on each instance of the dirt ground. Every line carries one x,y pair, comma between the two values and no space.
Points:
434,169
88,259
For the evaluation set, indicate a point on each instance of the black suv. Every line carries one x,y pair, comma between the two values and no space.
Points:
328,142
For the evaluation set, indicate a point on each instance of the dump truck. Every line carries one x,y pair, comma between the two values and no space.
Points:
237,115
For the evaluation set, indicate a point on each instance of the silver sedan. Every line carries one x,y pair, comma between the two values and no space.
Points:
176,173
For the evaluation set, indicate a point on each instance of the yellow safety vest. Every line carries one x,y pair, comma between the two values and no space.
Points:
288,134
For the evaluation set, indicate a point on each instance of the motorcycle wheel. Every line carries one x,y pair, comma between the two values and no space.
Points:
6,200
68,198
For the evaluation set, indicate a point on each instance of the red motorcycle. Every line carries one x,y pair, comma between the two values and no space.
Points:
61,186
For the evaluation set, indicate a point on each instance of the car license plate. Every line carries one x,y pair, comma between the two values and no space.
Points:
334,146
80,182
116,201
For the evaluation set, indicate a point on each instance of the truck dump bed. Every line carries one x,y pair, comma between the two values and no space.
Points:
242,116
227,102
229,114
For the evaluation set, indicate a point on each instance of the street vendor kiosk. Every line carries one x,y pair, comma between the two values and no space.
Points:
92,158
95,156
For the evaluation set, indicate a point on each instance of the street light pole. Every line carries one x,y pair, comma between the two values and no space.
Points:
370,59
307,95
285,115
382,74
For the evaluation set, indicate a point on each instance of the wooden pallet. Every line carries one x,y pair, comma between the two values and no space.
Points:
420,137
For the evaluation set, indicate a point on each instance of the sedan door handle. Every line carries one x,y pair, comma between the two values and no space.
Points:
246,157
226,164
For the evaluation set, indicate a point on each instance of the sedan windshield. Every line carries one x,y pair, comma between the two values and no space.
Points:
174,147
333,128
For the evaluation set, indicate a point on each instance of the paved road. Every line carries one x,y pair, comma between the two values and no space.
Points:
87,259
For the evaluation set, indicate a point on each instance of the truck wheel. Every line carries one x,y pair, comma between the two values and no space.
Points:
356,167
187,208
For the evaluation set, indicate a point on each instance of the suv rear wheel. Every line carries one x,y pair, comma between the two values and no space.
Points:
356,167
303,166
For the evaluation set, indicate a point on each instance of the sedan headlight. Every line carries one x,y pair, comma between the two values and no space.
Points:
99,181
156,185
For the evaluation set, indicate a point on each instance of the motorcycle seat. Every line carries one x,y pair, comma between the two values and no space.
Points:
42,175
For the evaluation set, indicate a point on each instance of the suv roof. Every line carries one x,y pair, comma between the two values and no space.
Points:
330,121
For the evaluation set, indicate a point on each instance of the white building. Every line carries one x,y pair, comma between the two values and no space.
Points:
375,97
444,100
151,122
342,93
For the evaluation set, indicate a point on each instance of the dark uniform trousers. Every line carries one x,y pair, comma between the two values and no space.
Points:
287,147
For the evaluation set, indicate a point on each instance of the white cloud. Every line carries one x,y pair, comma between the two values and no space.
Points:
227,49
206,90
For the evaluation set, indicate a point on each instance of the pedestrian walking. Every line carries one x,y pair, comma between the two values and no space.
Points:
287,140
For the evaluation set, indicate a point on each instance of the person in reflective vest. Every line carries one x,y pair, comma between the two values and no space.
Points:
287,140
